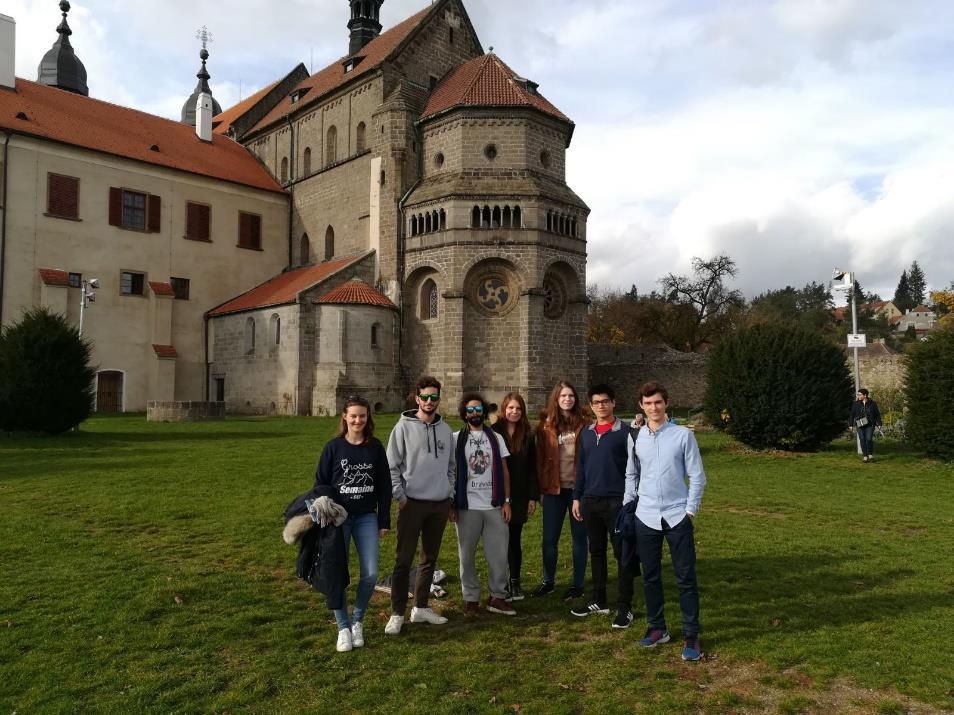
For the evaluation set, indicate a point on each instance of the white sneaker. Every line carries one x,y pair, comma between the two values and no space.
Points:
426,615
393,628
357,634
344,640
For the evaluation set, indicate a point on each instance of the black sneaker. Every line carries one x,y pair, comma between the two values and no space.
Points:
573,592
623,618
593,608
544,589
514,592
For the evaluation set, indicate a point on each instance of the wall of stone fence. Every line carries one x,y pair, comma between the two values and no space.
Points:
184,411
626,367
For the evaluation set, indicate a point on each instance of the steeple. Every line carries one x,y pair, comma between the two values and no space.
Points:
60,67
202,86
364,23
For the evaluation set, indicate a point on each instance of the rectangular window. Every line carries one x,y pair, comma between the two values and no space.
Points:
180,286
134,210
198,222
250,231
76,280
62,196
131,283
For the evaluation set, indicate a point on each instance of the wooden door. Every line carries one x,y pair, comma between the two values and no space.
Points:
109,391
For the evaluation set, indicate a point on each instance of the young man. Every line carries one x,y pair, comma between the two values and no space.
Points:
667,455
865,416
482,506
421,454
604,452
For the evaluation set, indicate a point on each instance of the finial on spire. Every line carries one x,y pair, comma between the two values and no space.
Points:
64,27
201,34
188,109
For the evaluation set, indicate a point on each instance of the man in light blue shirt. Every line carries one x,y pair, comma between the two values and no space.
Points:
666,455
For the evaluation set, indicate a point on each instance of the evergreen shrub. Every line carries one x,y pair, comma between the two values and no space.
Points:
46,381
930,393
779,386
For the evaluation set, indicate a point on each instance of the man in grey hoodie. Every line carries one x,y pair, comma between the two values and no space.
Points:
423,471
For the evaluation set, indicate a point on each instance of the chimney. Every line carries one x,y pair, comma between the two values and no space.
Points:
8,37
203,117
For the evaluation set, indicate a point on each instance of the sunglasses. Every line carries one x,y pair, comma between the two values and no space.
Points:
432,398
476,409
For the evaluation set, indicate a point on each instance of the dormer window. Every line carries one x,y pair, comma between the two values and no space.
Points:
298,94
352,62
530,86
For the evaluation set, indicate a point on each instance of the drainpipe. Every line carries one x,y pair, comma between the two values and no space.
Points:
402,235
205,344
291,173
3,223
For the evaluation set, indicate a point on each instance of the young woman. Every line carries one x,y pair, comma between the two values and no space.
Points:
354,462
515,428
561,422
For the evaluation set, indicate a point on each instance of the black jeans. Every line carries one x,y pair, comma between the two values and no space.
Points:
682,549
599,518
515,551
866,437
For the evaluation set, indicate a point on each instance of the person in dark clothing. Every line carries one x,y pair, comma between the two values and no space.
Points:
865,416
604,451
524,489
355,463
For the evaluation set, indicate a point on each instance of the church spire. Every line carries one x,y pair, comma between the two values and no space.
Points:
60,67
202,86
364,23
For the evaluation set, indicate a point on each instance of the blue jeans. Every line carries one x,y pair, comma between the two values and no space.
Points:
682,549
866,437
364,530
555,508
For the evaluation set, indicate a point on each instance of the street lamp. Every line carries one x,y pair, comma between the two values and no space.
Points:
88,296
847,279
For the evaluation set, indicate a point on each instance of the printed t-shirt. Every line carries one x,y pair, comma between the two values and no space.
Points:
567,441
480,464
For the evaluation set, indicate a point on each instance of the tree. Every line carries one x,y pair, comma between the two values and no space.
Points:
779,386
46,382
917,284
809,306
943,301
902,294
708,305
929,386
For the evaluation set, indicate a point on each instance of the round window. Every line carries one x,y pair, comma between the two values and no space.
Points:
490,151
554,297
493,292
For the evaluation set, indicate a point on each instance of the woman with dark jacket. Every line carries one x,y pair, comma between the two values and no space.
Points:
865,416
354,462
558,433
515,428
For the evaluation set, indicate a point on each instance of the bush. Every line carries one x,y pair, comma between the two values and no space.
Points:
779,386
930,393
46,382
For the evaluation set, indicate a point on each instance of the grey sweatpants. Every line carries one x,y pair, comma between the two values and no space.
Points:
472,524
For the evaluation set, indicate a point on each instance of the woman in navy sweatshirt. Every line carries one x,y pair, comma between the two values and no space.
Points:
354,462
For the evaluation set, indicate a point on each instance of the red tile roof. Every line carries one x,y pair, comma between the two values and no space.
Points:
54,277
165,351
285,287
920,309
161,288
223,120
356,292
73,119
333,76
486,81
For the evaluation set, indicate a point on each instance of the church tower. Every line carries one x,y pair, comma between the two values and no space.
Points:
202,86
364,23
60,67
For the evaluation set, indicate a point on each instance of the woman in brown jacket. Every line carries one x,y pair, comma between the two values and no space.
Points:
557,435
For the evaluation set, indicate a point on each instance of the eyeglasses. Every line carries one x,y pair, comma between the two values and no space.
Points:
600,403
477,408
432,398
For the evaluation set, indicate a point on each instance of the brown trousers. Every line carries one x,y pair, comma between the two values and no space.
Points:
424,520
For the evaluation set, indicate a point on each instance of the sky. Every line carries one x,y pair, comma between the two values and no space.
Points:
795,136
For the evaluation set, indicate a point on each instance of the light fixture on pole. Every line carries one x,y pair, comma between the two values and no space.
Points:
88,296
847,279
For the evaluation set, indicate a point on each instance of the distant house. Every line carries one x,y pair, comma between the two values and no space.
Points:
921,318
883,308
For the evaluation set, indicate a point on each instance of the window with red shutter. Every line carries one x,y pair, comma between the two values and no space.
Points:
62,196
250,231
198,222
155,214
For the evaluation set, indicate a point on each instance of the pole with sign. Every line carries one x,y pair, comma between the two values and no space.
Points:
855,340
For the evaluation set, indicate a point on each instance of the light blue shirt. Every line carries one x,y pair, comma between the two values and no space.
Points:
662,462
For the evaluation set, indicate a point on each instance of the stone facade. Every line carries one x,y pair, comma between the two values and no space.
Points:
184,411
627,367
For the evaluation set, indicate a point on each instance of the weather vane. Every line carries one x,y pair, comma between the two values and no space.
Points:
204,35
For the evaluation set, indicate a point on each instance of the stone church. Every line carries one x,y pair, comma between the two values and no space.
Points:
430,228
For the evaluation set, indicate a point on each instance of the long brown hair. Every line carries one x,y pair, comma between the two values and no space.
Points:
521,431
355,401
552,416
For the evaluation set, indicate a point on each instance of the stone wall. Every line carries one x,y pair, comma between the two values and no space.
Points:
627,367
880,373
184,411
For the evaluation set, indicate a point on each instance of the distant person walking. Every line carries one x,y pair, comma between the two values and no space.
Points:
558,433
423,470
865,416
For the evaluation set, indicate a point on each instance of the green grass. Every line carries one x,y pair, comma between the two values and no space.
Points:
143,570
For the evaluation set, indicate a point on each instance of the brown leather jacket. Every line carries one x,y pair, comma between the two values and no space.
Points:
548,456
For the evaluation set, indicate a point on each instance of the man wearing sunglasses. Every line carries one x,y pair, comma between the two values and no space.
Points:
421,455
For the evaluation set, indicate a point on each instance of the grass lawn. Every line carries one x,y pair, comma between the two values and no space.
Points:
144,570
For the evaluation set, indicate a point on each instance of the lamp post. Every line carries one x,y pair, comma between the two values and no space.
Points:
848,284
87,296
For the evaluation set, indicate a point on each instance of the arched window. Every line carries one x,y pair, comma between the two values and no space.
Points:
435,221
304,250
507,217
359,138
428,307
573,228
485,218
517,217
495,220
329,243
275,329
475,217
306,161
413,225
249,336
549,220
427,223
443,225
561,224
375,335
284,171
331,146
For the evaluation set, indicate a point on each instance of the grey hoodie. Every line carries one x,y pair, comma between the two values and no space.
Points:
421,455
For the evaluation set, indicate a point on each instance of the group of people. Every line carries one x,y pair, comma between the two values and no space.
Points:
627,486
